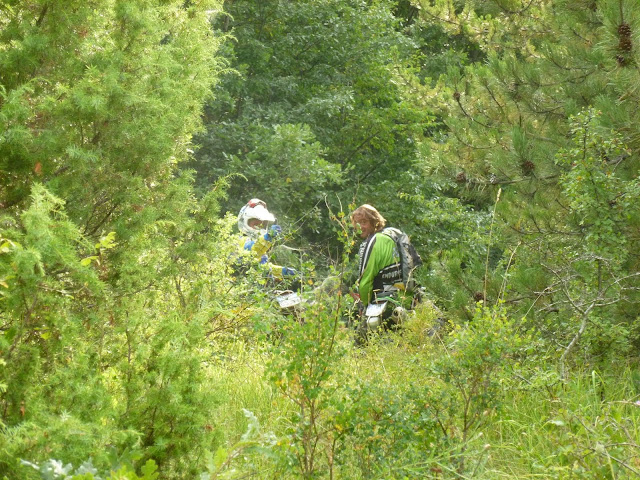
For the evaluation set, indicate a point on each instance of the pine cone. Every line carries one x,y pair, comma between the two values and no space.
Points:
461,177
456,96
624,29
625,44
527,167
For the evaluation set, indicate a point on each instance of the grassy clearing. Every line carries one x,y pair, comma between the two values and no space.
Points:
536,427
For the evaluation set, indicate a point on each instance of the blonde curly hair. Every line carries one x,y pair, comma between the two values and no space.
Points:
367,213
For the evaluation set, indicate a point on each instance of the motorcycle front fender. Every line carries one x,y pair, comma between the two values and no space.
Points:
375,309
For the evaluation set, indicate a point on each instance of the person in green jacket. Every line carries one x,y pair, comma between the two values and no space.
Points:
379,266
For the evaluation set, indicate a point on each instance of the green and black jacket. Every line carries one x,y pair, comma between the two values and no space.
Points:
379,266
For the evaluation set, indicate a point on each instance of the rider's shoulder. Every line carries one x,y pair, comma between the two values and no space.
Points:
385,234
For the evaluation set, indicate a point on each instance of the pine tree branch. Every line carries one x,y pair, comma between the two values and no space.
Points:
466,114
508,11
42,15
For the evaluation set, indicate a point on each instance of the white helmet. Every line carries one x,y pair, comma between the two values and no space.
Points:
255,209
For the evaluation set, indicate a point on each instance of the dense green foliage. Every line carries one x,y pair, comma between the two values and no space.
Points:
313,106
502,135
548,123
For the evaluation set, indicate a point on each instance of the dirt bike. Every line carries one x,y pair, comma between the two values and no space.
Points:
288,300
384,311
387,311
294,301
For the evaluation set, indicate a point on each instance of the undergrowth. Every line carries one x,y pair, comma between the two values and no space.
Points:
482,400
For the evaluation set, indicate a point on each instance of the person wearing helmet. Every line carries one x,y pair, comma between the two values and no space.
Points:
259,231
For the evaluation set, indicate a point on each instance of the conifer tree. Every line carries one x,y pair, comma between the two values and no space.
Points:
98,100
106,257
517,122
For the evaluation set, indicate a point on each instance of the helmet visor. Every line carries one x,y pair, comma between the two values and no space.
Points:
262,214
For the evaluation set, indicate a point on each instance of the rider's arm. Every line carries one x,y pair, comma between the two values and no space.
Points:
259,249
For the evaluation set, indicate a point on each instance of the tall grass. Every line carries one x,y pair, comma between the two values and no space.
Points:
587,427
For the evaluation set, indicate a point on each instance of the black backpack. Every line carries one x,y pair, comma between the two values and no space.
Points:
409,258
